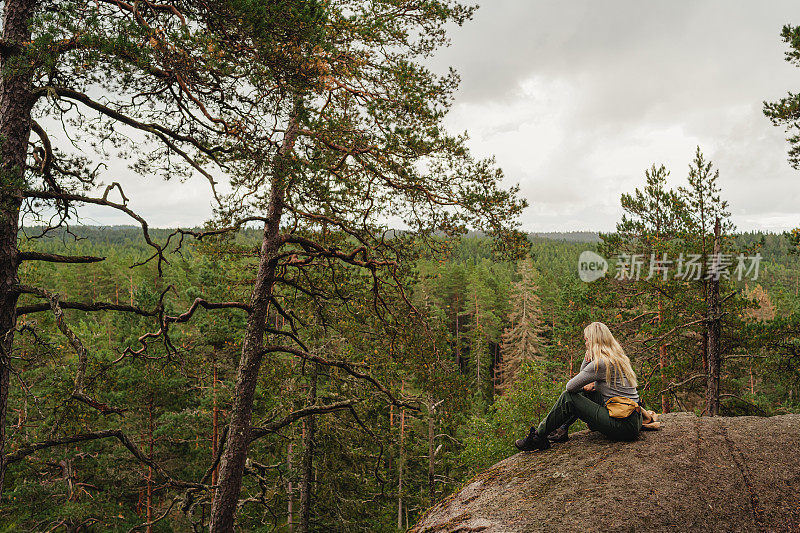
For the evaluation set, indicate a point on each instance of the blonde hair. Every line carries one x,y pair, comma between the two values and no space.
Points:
601,345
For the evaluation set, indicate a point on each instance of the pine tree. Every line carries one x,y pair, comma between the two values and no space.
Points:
706,211
786,111
675,304
483,329
651,222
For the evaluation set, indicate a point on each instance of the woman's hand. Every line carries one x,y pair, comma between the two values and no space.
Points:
589,387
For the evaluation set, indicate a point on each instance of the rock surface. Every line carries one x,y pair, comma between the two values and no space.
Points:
695,474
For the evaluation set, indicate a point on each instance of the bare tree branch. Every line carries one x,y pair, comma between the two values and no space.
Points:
347,367
164,134
78,391
258,432
200,302
673,386
25,451
55,258
166,8
53,195
85,306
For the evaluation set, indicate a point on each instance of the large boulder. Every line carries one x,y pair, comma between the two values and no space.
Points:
695,474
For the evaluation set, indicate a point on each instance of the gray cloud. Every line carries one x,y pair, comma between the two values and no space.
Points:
576,99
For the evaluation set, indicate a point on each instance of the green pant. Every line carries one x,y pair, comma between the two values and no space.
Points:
589,407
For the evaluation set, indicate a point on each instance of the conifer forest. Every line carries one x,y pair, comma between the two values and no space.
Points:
365,320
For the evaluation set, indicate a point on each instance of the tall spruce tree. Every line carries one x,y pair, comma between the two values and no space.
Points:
522,339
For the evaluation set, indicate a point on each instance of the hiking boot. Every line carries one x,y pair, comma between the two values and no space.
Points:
559,435
532,442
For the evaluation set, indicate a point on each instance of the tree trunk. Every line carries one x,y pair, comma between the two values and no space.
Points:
290,488
150,468
571,365
458,338
231,470
478,348
400,465
714,327
309,426
432,450
15,128
68,474
290,473
662,360
214,420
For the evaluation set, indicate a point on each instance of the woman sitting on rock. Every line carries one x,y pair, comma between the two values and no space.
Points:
605,374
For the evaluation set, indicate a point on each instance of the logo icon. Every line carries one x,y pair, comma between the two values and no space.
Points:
591,266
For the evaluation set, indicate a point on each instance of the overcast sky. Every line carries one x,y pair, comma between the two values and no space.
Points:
576,99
